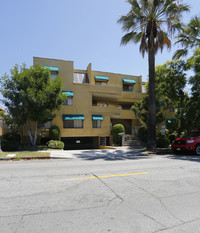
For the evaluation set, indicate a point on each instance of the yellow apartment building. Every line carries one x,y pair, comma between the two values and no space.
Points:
95,102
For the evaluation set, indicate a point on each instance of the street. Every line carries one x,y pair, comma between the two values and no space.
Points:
146,194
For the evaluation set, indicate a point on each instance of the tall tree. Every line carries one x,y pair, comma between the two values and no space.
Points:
170,85
31,96
188,38
194,63
146,23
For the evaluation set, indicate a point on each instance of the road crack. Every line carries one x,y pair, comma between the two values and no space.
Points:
117,197
157,198
170,228
20,223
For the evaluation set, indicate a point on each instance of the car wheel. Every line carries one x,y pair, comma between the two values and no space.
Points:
197,149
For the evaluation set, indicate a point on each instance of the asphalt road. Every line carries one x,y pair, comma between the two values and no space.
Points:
128,195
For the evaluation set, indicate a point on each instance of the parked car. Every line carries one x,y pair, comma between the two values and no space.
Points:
189,144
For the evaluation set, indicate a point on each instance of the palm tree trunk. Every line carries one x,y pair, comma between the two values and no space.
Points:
151,138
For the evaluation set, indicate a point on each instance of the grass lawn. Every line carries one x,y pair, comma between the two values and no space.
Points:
26,154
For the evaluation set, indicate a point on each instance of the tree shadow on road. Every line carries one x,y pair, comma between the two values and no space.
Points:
114,155
186,157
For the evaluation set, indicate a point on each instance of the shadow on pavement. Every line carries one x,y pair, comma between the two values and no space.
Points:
114,155
189,157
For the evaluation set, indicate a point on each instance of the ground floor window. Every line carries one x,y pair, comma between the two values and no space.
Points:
96,124
72,123
46,125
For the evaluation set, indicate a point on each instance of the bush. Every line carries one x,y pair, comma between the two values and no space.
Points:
142,134
55,144
43,141
9,145
162,141
172,137
54,133
12,136
117,132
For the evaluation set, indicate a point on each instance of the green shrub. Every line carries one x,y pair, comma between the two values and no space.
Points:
162,141
172,137
54,133
12,136
142,134
117,132
55,144
9,145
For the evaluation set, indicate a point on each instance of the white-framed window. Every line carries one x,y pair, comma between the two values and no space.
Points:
68,101
80,78
96,123
72,124
143,88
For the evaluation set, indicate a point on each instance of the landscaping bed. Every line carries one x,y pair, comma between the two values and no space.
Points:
26,155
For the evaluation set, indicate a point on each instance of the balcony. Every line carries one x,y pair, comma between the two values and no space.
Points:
127,114
132,95
113,111
106,90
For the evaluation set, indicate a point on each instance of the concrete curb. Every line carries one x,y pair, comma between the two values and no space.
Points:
24,158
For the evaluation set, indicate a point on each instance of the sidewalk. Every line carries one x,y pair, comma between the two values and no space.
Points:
118,153
98,153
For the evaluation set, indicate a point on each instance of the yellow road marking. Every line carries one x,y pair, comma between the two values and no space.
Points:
95,177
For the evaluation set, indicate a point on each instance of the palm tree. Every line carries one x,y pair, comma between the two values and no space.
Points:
188,38
150,22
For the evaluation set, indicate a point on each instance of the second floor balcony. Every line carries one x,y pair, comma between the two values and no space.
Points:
106,90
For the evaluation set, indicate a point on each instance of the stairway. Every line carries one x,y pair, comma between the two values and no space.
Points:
131,142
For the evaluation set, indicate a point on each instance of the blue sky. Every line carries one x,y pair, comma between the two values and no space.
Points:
76,30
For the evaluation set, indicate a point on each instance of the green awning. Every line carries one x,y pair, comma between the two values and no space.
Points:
174,121
68,93
97,117
131,81
52,68
73,117
101,78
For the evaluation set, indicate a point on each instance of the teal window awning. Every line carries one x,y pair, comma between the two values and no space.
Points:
97,117
73,117
130,81
101,78
68,93
52,68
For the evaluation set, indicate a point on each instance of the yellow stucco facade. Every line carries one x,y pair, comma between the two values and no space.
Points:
102,94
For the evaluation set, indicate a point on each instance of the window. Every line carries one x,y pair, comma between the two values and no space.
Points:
103,83
80,78
54,71
143,88
54,74
72,123
68,101
46,125
127,87
96,123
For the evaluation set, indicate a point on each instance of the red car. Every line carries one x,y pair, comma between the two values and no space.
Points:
191,144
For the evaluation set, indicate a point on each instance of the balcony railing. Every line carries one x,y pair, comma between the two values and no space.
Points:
114,111
106,90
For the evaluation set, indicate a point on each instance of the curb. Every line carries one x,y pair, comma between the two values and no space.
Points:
24,158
